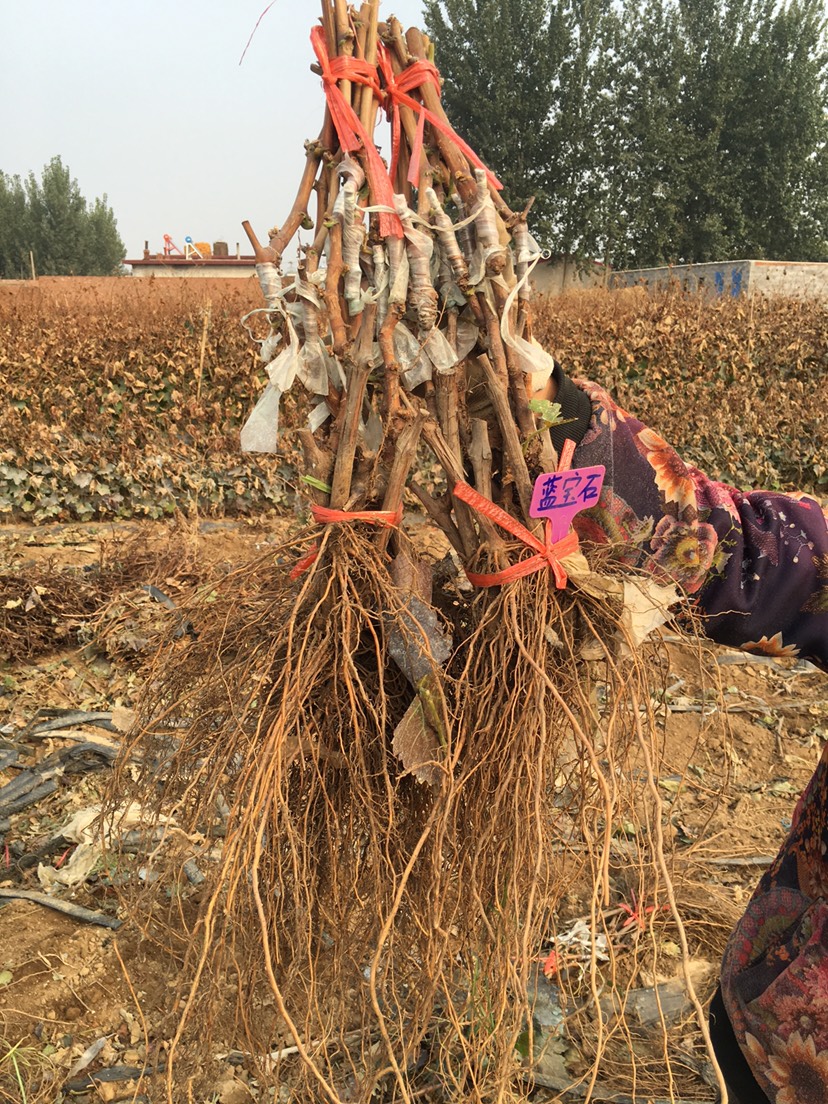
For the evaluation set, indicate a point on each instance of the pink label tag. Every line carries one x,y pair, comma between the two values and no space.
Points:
559,496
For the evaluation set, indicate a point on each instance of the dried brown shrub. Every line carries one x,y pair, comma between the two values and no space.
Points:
105,420
117,604
104,414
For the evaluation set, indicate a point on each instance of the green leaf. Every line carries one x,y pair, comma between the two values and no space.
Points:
522,1044
549,412
317,484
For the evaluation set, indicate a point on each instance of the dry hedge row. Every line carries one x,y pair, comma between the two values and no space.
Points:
105,417
104,414
738,386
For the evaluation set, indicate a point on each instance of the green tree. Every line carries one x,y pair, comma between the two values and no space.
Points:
642,148
500,62
57,213
710,208
577,180
775,131
51,217
574,102
101,246
754,102
14,228
650,131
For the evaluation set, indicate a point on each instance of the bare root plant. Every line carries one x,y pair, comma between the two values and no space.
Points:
382,934
404,807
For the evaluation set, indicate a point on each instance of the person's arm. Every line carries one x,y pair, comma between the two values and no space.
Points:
757,562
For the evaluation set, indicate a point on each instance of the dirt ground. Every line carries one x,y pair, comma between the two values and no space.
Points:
90,1008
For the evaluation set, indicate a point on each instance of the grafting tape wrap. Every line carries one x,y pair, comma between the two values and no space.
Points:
350,130
396,93
325,516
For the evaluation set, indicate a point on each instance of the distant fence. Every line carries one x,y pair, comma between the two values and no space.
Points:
799,279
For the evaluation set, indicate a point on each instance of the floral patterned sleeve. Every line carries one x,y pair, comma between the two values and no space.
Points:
757,562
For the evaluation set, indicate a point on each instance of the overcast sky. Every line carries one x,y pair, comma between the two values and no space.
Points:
145,101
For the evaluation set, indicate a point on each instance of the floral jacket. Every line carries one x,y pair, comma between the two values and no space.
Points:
757,564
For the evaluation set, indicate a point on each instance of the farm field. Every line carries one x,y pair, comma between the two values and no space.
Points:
123,495
113,411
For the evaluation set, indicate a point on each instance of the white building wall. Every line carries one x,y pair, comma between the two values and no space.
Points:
193,272
563,274
798,279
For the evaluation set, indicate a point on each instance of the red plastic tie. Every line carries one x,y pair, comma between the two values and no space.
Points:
325,516
352,134
417,74
301,566
548,555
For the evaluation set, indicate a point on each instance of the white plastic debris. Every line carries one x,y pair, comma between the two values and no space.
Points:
260,433
92,838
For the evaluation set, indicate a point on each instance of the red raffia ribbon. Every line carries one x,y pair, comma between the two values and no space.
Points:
420,72
352,134
325,516
548,555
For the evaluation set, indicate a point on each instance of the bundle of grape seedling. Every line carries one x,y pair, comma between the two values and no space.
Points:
417,788
425,265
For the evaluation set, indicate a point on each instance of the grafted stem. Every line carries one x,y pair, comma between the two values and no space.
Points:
358,367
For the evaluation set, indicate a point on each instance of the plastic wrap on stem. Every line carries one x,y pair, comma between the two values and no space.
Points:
447,238
314,360
353,236
490,258
464,234
420,248
520,235
352,169
382,285
270,281
397,270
